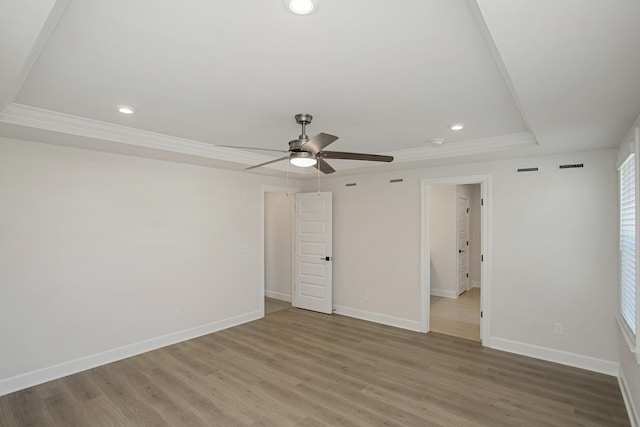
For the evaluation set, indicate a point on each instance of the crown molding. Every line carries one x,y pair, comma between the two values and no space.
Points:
464,148
39,118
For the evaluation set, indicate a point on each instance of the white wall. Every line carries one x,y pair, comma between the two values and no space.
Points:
98,250
554,252
442,216
278,228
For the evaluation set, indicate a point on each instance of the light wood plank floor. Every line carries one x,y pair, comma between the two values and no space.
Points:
299,368
271,305
459,317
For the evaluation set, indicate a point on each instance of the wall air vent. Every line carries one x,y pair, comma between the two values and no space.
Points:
527,169
572,166
395,180
351,184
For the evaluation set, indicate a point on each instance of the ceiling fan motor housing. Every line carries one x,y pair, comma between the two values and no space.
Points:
294,145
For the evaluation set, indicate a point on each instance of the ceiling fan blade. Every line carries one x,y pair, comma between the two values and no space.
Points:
318,142
252,148
354,156
266,163
324,167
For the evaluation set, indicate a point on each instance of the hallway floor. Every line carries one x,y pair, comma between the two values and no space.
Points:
459,317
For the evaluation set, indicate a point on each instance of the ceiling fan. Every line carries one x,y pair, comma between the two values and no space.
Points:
306,152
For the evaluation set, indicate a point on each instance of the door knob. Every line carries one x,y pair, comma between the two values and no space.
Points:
460,251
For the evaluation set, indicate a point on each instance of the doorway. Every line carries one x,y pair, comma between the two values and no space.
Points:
455,278
278,238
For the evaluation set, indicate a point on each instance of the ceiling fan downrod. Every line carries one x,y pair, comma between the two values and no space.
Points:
303,120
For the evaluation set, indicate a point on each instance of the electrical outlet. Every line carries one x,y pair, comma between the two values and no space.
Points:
558,329
367,296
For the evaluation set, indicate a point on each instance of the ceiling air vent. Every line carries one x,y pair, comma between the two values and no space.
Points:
351,184
395,180
527,169
572,166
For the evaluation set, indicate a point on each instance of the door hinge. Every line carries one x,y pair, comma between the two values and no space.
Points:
481,315
467,210
481,202
481,258
467,274
467,243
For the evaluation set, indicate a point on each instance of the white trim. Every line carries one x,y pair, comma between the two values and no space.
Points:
398,322
463,148
443,293
626,333
39,118
425,255
485,249
50,373
277,295
475,284
562,357
634,415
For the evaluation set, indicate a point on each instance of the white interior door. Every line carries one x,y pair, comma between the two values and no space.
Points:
463,244
313,245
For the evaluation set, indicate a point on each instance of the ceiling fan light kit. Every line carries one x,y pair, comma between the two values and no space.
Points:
302,159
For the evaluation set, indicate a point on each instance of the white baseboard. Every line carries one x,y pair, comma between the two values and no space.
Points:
39,376
634,415
384,319
558,356
277,295
475,284
443,293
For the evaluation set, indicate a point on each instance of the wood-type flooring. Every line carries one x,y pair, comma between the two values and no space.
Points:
300,368
459,317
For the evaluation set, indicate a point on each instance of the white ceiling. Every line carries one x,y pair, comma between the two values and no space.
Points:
525,76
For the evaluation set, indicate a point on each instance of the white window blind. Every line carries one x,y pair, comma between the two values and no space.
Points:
628,242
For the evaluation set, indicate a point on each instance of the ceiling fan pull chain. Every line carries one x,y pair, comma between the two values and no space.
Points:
288,164
318,169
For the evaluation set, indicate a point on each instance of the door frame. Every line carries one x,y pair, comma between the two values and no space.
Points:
485,249
261,253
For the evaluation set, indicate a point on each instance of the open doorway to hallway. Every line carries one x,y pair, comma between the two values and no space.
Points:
455,260
278,220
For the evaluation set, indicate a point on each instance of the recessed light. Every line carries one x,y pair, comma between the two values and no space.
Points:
437,141
125,109
456,126
302,7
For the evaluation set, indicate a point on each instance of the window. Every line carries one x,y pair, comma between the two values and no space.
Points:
629,318
628,242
